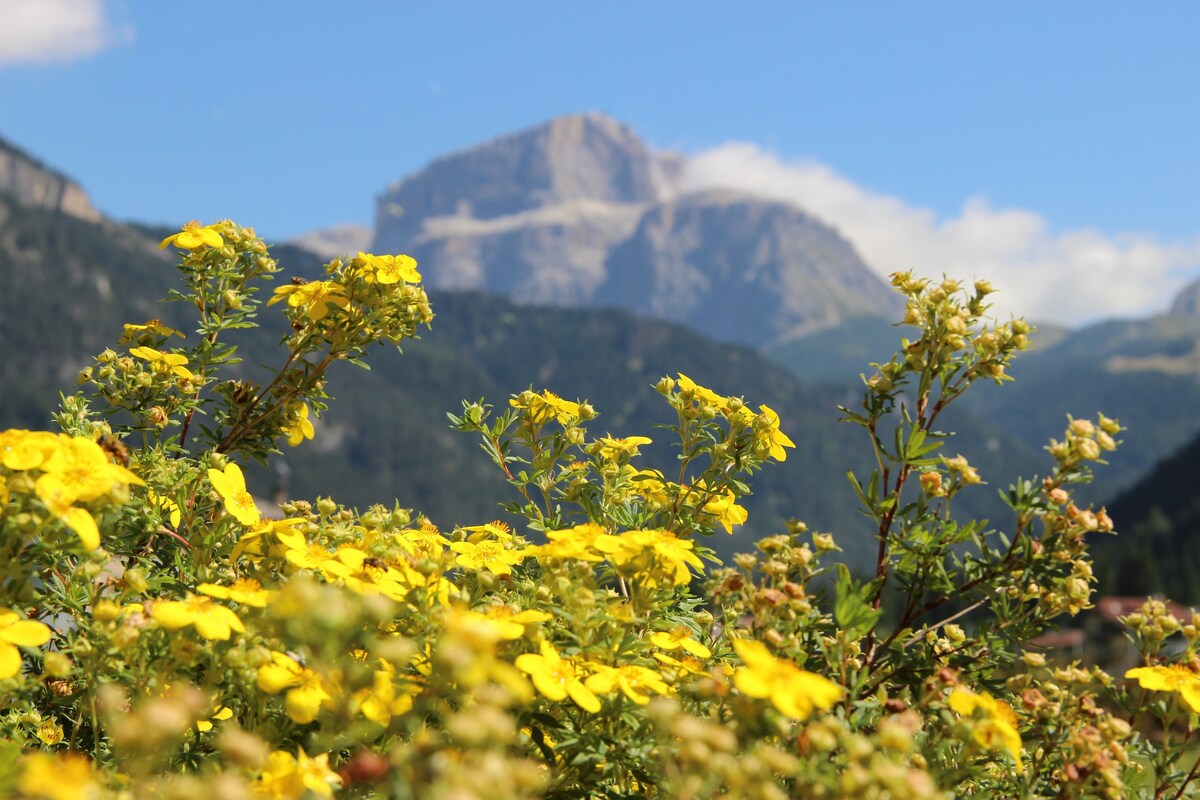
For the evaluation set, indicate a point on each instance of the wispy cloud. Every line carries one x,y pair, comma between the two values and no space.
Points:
40,31
1068,277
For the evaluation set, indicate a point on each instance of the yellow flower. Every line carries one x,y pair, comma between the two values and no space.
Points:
193,237
635,682
79,469
246,591
306,691
652,555
299,427
389,269
556,678
22,450
706,396
688,665
997,727
580,543
50,732
66,777
796,693
724,507
1171,678
382,702
491,530
678,638
161,362
231,485
166,505
613,449
426,543
363,573
152,326
315,297
251,541
773,439
489,555
288,777
17,631
220,714
541,408
211,621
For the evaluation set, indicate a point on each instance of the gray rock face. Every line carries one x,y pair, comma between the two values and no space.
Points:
741,269
34,185
1187,302
580,212
586,157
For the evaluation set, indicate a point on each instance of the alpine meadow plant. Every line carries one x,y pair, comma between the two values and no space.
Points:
163,634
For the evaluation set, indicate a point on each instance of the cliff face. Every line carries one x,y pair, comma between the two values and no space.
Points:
33,185
741,269
581,212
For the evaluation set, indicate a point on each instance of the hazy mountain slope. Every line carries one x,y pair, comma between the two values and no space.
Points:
66,287
1157,550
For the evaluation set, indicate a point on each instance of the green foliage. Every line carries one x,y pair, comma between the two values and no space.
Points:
160,636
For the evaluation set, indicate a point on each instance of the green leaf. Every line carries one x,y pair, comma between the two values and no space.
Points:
852,609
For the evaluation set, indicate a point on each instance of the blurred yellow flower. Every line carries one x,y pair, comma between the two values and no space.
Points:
794,692
306,691
65,777
288,777
245,591
996,728
211,620
680,638
635,682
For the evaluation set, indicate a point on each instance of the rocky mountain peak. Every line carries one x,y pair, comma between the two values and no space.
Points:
579,211
577,158
37,186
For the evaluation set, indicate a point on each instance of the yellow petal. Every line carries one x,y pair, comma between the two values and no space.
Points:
27,633
10,661
84,525
172,615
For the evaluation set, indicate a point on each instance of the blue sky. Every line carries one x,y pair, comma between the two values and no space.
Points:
1013,140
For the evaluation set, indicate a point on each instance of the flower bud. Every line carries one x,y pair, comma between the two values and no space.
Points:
824,542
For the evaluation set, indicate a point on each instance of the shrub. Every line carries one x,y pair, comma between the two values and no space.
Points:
160,635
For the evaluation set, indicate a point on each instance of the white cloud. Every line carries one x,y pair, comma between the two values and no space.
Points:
1067,277
40,31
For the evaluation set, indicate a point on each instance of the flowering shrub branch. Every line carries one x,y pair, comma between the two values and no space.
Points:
162,634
